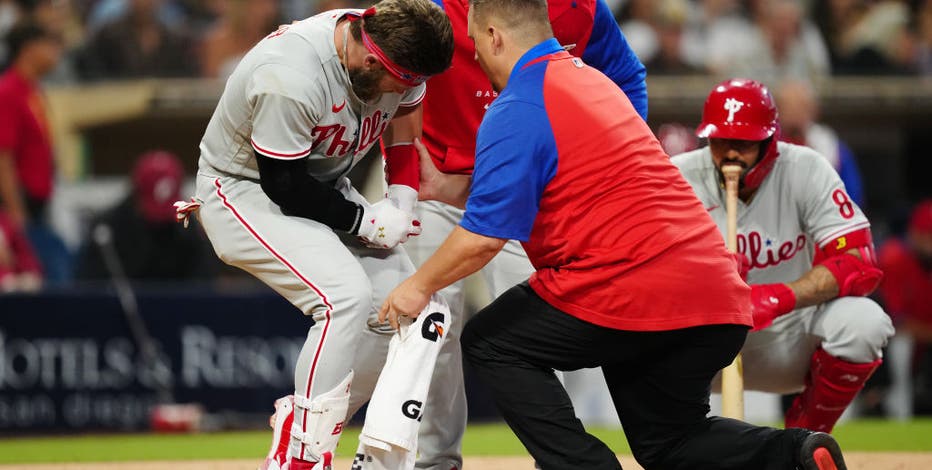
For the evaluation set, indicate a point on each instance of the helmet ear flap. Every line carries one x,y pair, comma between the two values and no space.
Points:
755,176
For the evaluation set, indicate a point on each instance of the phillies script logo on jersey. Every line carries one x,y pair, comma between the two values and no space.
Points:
370,129
764,253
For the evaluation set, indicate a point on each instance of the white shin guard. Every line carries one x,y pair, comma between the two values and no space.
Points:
326,414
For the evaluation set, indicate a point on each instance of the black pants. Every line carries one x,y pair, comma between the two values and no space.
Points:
659,382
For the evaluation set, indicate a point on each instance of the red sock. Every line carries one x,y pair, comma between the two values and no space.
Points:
298,464
830,387
326,463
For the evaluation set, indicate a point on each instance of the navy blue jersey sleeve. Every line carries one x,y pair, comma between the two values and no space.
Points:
608,51
516,156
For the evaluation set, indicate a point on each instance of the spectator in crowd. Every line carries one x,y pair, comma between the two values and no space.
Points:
137,45
26,159
9,15
669,21
864,37
60,19
675,138
636,19
783,45
19,268
142,230
713,30
906,292
242,25
170,13
799,110
923,31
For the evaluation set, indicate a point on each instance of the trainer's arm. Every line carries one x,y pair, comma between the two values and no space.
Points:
462,254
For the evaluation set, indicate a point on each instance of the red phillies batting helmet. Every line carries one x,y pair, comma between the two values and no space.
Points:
743,109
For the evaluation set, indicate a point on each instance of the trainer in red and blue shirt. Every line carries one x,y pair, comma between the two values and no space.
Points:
565,164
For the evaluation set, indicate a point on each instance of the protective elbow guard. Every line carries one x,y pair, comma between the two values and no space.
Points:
854,276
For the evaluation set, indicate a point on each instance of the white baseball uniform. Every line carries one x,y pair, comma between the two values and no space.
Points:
291,98
801,205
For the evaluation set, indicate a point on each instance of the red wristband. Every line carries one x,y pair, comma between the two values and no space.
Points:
401,165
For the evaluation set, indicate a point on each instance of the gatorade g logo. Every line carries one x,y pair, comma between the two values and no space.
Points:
412,409
360,460
732,106
432,329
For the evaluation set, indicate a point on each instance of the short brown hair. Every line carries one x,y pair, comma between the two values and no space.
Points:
415,34
528,16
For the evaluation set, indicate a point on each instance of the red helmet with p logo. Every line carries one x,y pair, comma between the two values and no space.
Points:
743,109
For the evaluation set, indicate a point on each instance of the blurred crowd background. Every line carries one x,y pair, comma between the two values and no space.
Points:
767,39
121,91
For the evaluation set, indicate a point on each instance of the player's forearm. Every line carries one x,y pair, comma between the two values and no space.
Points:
462,254
10,196
816,286
404,127
288,184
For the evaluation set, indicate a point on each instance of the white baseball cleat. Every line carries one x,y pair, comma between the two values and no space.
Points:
280,422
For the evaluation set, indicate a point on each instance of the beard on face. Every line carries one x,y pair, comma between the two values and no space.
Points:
365,82
744,170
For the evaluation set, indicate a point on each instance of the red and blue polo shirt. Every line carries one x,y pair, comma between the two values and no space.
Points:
565,164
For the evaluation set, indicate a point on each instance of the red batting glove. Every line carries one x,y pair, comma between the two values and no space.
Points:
769,301
743,265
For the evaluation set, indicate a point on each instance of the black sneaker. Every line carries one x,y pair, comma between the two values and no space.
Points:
819,451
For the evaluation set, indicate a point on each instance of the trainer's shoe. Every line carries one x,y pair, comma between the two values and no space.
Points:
819,451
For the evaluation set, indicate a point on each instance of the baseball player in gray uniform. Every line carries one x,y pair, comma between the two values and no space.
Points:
298,112
808,253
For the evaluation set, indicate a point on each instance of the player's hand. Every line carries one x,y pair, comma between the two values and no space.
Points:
769,301
385,226
406,300
743,265
431,179
402,197
345,187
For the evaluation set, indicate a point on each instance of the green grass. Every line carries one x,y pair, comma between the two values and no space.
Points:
488,439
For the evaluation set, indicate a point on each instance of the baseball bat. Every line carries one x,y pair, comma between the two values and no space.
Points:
103,237
733,374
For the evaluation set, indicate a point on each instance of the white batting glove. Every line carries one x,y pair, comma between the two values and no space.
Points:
403,197
385,226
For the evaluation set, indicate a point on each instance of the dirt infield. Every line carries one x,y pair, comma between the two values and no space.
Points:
855,461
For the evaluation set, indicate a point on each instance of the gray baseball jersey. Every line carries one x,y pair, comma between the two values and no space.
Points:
801,205
290,97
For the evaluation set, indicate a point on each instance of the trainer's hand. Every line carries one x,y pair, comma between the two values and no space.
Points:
385,226
431,179
406,300
769,301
